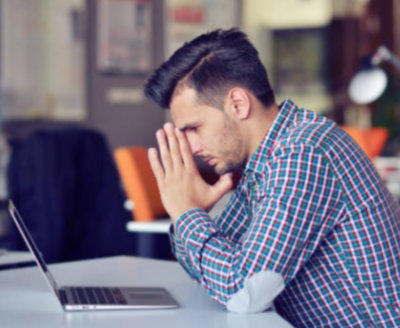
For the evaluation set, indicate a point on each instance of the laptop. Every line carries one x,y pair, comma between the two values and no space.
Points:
97,297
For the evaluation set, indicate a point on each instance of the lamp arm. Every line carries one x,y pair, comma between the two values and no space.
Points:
395,62
384,54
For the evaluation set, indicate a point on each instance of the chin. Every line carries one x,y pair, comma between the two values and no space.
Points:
219,170
226,168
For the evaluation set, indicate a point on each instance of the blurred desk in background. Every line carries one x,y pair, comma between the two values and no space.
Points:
389,169
13,259
163,225
156,226
152,237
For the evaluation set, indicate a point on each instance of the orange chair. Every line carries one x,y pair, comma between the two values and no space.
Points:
139,183
371,141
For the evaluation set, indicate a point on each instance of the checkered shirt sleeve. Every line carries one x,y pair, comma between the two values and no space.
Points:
288,207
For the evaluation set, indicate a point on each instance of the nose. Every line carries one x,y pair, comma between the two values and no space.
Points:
194,143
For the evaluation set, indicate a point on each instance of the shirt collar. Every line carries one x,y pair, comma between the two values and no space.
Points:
285,118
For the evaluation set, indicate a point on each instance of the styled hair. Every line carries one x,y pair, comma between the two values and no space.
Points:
211,64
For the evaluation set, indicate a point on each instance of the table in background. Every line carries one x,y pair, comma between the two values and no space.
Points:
11,259
389,170
26,301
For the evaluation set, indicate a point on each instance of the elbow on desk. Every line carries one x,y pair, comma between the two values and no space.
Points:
257,294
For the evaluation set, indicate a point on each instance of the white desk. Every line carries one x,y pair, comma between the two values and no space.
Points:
26,301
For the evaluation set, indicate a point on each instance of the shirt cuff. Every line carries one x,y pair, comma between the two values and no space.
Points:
178,249
193,228
176,245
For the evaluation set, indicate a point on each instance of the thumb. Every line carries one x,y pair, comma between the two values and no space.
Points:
223,185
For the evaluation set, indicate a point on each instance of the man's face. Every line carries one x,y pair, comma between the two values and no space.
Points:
212,133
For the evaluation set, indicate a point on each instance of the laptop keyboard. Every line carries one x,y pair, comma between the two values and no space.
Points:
97,295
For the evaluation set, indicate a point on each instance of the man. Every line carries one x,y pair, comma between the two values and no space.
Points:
309,216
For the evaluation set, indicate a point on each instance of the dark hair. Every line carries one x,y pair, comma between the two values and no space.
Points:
212,63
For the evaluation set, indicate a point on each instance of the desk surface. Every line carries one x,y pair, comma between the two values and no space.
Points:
26,301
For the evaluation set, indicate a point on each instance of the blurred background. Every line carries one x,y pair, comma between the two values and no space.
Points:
72,74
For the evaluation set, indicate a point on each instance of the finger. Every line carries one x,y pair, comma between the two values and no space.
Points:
173,145
223,185
185,150
164,150
155,164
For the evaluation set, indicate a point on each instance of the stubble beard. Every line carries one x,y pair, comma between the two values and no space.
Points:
231,145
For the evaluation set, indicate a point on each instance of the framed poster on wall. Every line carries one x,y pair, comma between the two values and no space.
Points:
124,35
186,19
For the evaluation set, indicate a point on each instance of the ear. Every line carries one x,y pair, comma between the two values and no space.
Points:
239,103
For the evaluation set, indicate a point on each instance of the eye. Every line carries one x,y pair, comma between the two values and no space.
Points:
193,128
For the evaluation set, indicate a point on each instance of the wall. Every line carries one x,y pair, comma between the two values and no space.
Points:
262,17
126,123
131,121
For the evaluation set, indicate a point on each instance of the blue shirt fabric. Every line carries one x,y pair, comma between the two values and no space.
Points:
311,207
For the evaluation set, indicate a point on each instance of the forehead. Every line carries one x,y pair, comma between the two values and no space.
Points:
186,110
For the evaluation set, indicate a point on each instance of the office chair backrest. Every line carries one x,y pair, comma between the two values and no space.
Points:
139,183
66,186
370,140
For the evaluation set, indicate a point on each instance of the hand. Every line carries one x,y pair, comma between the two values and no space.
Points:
181,186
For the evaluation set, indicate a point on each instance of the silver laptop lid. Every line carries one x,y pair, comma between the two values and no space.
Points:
33,248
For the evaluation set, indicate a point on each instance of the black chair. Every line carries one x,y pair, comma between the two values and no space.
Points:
66,186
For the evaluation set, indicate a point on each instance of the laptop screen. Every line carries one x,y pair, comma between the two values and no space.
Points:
32,246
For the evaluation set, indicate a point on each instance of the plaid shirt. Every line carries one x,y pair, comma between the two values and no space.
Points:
311,207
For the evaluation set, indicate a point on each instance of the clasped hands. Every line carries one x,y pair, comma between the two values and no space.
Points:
181,186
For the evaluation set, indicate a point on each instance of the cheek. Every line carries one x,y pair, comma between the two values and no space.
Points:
230,145
211,141
194,142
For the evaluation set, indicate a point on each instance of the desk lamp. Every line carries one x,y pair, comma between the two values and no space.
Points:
370,82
